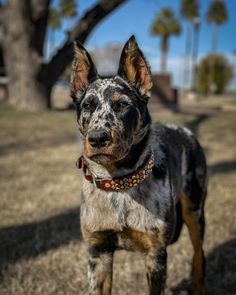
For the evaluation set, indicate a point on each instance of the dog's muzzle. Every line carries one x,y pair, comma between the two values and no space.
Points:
99,138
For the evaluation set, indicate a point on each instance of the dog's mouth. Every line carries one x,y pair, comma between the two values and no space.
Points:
106,155
102,158
101,155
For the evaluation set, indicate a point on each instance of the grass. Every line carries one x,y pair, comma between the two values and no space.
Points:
41,249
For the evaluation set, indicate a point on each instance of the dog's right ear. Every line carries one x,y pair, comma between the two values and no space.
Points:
83,71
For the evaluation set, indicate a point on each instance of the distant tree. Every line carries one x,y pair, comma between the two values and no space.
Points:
165,25
107,58
65,10
54,18
189,10
68,8
216,15
222,74
25,24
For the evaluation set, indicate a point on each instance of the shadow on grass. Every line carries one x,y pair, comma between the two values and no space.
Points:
29,240
25,144
220,271
195,124
222,167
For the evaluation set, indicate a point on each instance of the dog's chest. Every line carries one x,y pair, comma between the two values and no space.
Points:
119,211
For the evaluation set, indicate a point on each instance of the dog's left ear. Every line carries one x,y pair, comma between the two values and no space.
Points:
83,70
134,68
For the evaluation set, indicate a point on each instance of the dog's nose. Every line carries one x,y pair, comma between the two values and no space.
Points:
99,138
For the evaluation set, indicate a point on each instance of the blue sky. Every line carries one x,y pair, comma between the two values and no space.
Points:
136,16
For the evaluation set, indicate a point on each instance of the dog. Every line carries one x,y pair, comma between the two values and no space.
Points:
141,180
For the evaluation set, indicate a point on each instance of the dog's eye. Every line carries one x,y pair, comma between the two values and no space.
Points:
89,106
122,104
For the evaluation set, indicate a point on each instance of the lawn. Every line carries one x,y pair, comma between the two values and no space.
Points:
41,249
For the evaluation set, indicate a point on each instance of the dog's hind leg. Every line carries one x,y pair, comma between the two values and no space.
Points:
194,189
194,219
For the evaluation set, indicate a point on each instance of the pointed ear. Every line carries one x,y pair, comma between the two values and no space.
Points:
134,68
83,70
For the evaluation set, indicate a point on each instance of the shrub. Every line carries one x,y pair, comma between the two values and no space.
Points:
214,71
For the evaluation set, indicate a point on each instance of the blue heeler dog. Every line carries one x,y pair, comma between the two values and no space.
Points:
141,181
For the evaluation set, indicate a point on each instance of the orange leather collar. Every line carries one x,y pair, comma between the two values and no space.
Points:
117,183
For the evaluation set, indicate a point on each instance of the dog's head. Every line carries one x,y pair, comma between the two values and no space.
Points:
112,112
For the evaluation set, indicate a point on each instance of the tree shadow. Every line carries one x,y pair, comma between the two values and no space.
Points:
23,145
195,124
222,167
32,239
220,271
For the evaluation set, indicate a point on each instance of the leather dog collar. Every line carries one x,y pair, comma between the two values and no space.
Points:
117,183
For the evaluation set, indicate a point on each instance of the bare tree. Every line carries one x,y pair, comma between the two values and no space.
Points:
107,58
25,25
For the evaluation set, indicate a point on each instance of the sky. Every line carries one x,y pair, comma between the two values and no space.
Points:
135,17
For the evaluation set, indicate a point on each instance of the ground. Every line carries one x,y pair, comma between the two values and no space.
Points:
41,249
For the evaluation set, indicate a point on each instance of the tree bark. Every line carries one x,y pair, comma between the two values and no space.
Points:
25,25
22,62
39,15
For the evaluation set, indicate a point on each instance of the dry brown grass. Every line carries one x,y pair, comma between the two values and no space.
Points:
41,251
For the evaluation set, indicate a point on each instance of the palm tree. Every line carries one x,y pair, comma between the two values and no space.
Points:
216,16
189,10
165,25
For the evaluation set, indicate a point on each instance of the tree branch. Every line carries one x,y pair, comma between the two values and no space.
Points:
51,71
39,16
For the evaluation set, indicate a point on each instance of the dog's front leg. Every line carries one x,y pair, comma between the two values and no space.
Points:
100,273
156,271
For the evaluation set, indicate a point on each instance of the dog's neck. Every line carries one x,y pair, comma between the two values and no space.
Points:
137,156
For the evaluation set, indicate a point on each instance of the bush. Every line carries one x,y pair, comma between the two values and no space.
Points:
213,71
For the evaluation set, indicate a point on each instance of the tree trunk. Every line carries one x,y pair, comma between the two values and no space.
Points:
214,38
164,50
22,62
25,23
187,55
212,86
195,56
